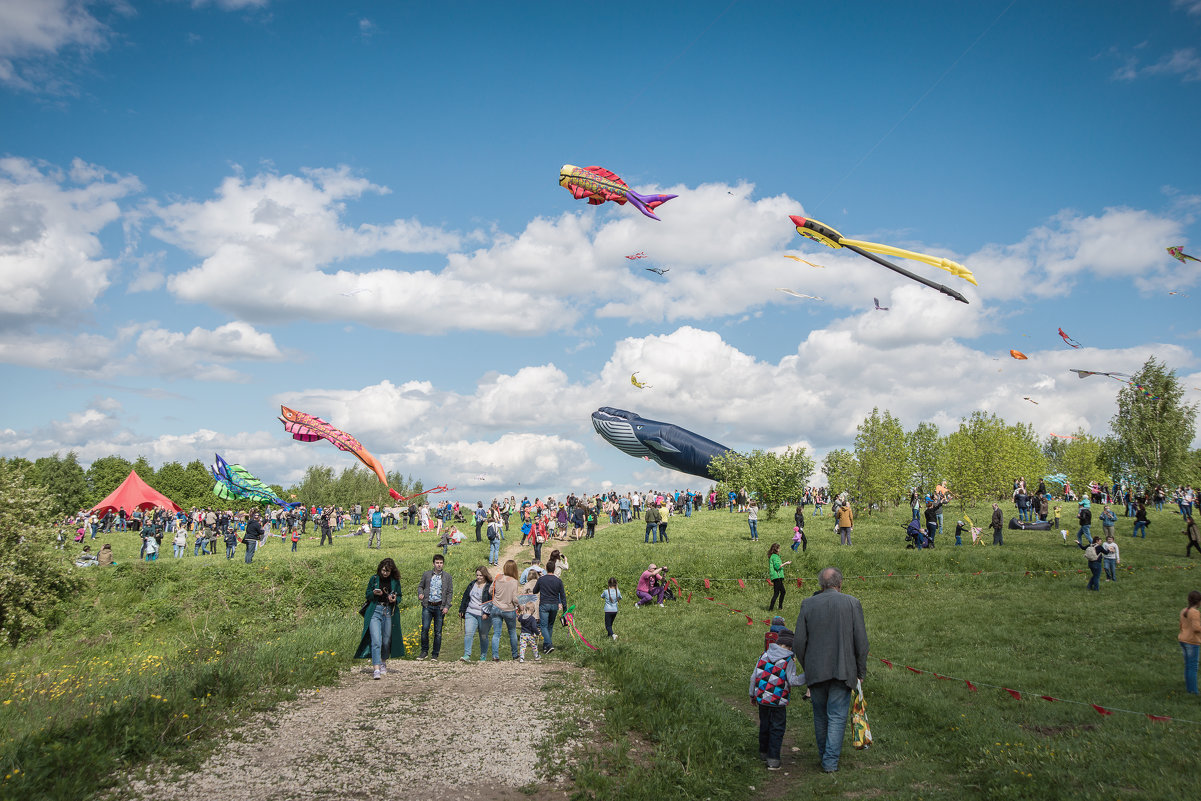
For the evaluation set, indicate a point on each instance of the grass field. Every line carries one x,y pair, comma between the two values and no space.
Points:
153,662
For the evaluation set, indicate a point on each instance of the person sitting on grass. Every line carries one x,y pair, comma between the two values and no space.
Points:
651,587
771,681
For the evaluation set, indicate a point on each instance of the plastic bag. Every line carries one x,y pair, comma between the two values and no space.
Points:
861,732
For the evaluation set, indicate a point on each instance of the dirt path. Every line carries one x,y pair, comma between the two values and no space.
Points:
443,731
428,730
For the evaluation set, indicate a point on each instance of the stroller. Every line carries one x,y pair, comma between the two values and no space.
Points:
916,536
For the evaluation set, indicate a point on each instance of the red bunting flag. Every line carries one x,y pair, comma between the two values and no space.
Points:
707,586
710,599
941,677
742,583
885,661
1159,717
749,621
861,578
689,598
800,582
915,670
1014,693
970,686
1048,698
1101,710
768,581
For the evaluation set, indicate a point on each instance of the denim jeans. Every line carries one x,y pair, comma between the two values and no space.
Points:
380,627
831,703
688,509
773,720
938,517
1140,524
179,549
499,619
1094,580
652,533
494,550
250,546
754,529
431,614
471,625
546,621
1190,666
1084,535
1111,568
844,535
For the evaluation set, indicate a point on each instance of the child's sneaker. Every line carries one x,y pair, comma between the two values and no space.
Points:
614,638
773,764
383,670
376,675
521,659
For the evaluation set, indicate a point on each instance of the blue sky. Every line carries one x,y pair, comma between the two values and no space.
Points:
188,189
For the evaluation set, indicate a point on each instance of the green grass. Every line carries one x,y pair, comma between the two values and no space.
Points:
153,662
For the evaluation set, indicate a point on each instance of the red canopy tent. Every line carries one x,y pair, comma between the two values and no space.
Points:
134,493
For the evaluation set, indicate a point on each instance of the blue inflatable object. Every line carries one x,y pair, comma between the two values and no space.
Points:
666,443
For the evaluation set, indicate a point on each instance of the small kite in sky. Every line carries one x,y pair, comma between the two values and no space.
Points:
820,232
639,255
1017,354
1125,379
598,185
878,306
1063,436
1177,292
796,294
802,261
1032,400
637,383
354,292
481,477
1179,255
307,428
1056,478
659,270
1069,340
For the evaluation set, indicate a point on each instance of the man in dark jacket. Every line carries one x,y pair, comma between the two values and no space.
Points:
831,643
254,535
435,592
996,525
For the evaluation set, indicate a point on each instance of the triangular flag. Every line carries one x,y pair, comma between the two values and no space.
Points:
1159,717
1101,710
915,670
689,598
742,583
1014,693
707,586
1048,698
970,686
800,582
885,661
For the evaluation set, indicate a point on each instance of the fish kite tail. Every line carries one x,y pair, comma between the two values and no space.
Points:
395,495
648,203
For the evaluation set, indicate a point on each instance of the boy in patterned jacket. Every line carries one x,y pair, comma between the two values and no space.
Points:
774,675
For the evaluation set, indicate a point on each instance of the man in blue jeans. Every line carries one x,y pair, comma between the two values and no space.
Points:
551,597
434,593
831,643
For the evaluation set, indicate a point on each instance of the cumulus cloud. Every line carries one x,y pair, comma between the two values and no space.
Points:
34,32
52,262
200,354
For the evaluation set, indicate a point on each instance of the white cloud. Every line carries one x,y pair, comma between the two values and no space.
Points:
34,32
199,354
52,265
1183,62
1190,6
231,5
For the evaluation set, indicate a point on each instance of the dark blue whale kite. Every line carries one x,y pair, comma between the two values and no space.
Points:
666,443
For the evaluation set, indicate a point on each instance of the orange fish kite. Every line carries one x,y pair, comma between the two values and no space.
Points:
307,428
1017,354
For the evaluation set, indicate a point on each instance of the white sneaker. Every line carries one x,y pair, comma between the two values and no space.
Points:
377,674
383,670
614,637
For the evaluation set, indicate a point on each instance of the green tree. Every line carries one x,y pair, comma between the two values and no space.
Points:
144,469
105,475
842,472
32,580
971,459
1081,461
884,469
64,479
198,486
771,477
1157,431
926,450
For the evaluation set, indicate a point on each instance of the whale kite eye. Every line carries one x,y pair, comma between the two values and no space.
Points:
638,427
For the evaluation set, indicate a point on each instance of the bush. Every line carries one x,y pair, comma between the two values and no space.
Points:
32,580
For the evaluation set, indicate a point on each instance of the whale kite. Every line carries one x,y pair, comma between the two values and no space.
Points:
666,443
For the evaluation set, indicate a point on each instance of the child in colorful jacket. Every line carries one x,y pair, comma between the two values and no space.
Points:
773,677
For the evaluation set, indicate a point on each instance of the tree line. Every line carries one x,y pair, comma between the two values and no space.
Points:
70,487
1148,443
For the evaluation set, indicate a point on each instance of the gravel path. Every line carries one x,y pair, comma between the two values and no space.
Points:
428,730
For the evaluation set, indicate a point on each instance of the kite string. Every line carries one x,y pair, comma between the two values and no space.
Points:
912,108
